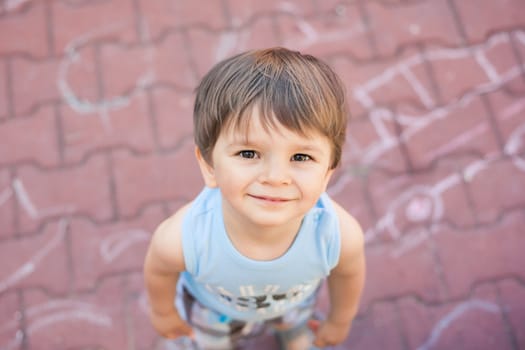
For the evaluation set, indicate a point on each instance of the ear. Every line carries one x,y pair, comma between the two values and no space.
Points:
207,171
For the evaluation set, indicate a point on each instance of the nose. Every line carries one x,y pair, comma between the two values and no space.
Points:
276,172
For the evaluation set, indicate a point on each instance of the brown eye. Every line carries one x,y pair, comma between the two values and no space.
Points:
247,154
301,157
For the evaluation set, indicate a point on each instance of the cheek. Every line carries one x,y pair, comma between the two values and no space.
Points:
230,180
312,181
315,173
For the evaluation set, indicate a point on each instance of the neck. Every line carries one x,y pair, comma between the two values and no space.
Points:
259,242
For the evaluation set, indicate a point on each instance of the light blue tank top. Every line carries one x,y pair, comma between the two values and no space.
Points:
226,281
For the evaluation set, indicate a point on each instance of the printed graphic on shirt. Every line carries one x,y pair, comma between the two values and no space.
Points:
264,300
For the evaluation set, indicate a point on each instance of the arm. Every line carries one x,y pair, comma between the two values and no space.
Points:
162,266
345,283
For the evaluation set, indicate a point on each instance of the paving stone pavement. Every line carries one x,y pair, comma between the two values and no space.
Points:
96,149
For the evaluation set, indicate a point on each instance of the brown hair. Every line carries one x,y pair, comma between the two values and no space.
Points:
298,91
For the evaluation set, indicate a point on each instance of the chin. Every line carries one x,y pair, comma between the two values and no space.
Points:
268,221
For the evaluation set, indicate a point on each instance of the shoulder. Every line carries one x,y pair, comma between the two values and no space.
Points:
352,238
166,243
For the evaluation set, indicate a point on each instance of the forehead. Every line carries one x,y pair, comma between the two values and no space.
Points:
253,126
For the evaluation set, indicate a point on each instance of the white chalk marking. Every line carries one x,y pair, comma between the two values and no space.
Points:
311,36
29,267
520,36
414,29
115,244
387,224
454,315
457,142
378,118
29,207
59,317
417,123
419,209
443,112
513,109
363,97
11,5
514,145
288,7
419,89
487,67
446,183
227,43
56,311
474,169
411,240
23,199
81,106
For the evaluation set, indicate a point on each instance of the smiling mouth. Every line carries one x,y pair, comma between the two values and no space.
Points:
270,199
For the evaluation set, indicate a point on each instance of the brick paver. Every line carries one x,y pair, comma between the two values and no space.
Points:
96,149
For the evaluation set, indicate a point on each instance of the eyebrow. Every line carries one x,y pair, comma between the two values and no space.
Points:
257,144
310,148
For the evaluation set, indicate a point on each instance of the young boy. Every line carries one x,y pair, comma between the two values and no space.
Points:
254,246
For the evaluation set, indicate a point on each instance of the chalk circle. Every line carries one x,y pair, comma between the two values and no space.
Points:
419,208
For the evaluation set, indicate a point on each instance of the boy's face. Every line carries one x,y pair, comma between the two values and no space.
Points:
268,177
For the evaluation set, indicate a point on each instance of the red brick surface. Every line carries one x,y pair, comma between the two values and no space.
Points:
33,83
378,329
473,323
7,204
96,149
17,37
409,23
32,138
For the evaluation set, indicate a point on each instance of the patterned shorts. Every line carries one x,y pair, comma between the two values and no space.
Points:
214,331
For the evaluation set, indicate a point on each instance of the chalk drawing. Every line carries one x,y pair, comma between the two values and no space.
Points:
424,202
419,209
431,207
310,36
458,141
488,68
409,241
515,147
415,124
414,29
453,316
23,199
433,210
11,5
520,35
419,89
228,41
288,7
232,41
115,244
513,109
104,106
44,315
421,203
30,266
29,207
